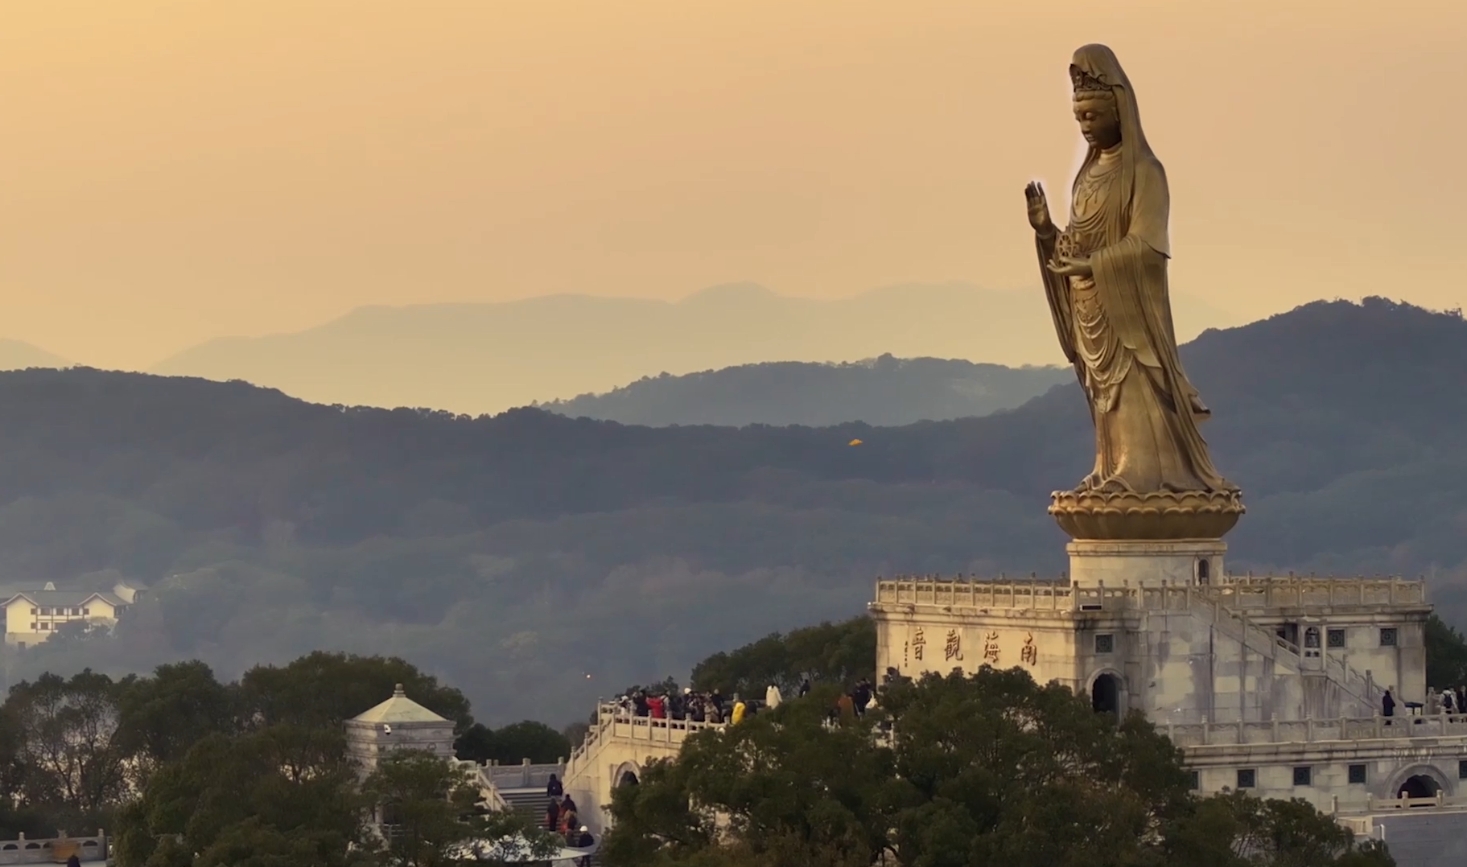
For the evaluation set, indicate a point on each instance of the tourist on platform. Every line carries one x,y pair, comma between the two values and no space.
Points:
569,821
554,789
1387,706
639,701
772,697
1449,701
1433,701
73,861
677,705
804,687
656,708
739,709
846,707
552,816
697,708
861,695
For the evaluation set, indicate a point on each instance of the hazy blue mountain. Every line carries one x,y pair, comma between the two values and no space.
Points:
19,355
538,560
881,391
475,358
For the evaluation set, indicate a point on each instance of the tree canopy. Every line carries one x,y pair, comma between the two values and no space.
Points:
954,771
178,764
830,652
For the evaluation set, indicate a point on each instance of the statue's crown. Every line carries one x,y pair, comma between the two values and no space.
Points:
1087,85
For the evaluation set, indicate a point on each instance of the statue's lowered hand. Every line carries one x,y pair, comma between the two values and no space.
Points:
1071,267
1038,209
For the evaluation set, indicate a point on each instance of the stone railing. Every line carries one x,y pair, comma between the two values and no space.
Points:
522,776
1439,800
53,849
1250,593
1238,593
613,722
1310,730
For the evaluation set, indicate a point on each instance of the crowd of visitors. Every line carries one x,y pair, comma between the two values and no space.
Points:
714,707
562,818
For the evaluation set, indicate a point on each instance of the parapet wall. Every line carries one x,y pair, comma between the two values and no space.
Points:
1241,593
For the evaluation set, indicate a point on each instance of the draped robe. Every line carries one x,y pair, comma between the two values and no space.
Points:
1115,327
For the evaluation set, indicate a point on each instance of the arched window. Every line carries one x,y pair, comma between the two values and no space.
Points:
1204,570
1311,637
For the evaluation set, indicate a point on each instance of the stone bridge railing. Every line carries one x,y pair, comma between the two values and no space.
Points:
1309,730
613,722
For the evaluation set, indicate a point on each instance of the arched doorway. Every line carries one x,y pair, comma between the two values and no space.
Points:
1419,786
627,777
1105,694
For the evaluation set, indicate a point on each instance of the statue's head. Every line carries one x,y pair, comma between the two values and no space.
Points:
1096,110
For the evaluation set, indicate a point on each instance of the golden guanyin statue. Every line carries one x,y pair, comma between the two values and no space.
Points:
1105,277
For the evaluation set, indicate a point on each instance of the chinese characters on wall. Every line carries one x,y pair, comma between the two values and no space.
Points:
1029,653
953,649
914,649
990,648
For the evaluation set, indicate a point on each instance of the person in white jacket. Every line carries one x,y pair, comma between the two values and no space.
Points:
772,697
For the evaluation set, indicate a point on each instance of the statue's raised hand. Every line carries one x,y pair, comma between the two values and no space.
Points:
1038,209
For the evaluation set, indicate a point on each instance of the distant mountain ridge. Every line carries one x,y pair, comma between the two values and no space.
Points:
882,391
477,358
19,355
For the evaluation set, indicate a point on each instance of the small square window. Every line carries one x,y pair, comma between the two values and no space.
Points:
1388,637
1105,643
86,612
1302,776
1192,781
1335,638
35,611
1462,769
45,627
34,627
1357,775
1247,778
46,612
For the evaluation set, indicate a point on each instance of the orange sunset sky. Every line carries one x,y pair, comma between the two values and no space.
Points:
176,171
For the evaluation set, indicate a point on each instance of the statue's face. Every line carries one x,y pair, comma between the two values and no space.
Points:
1100,122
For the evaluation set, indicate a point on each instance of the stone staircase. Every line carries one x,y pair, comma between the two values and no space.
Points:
1355,687
529,803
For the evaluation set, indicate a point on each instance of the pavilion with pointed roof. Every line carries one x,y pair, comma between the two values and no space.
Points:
395,724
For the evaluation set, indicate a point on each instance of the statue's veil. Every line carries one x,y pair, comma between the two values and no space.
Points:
1100,63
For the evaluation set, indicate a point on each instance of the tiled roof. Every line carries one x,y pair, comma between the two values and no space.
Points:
399,709
64,598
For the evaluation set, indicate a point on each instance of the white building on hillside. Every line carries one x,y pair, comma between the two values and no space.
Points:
32,617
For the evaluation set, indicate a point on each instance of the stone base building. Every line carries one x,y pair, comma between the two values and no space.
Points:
1269,684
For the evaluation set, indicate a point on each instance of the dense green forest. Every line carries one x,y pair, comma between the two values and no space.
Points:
883,391
247,772
538,561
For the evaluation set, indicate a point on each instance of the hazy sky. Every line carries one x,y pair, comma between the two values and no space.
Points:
175,171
